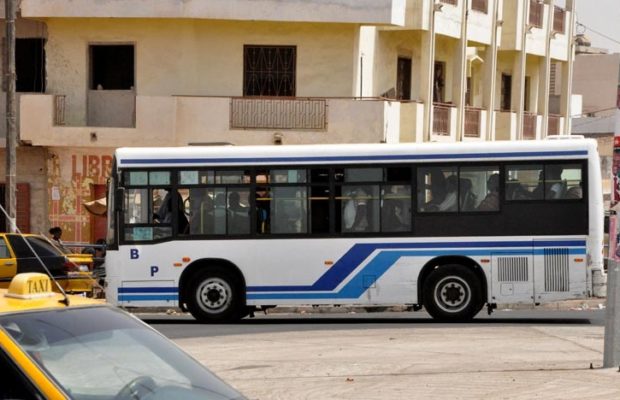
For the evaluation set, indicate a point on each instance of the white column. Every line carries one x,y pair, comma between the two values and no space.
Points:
461,83
520,68
428,73
490,75
544,104
567,72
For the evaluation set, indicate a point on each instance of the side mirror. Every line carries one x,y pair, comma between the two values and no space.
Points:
119,198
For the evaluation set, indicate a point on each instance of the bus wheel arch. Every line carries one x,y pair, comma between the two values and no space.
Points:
213,290
457,274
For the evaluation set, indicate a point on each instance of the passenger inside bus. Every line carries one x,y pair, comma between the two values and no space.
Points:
164,213
449,203
491,201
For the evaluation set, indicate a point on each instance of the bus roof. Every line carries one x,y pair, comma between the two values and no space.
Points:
153,157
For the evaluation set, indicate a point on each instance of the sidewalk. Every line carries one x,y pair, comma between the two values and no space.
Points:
464,362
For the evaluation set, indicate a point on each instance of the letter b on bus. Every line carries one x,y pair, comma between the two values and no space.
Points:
134,254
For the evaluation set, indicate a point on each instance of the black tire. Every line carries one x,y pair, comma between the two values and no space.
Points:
453,293
215,295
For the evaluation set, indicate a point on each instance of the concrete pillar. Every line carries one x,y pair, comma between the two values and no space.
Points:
460,84
490,75
428,73
611,355
567,70
547,70
518,81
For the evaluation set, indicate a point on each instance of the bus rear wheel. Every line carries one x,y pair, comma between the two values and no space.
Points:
215,296
453,293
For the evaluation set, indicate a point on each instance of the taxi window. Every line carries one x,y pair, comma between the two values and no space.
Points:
127,352
4,250
19,388
40,246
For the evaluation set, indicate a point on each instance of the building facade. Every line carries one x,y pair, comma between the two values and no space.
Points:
97,75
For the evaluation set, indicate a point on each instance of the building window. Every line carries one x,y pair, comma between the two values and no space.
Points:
439,83
480,5
269,70
112,67
30,65
536,13
453,2
559,18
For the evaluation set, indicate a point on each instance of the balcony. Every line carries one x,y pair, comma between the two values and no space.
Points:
530,124
302,114
180,120
555,125
473,122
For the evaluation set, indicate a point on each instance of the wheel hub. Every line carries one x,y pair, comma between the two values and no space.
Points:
214,294
452,294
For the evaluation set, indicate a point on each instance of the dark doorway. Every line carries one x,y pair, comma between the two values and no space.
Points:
30,65
112,67
403,79
269,70
506,98
439,83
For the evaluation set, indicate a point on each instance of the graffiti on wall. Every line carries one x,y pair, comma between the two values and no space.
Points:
72,179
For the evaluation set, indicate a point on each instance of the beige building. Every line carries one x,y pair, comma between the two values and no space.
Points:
97,75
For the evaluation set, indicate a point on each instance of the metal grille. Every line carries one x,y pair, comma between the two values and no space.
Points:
248,113
441,120
556,270
453,2
529,126
472,122
536,13
559,16
512,269
269,70
554,125
59,109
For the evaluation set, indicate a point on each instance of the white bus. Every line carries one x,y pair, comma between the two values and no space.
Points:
223,231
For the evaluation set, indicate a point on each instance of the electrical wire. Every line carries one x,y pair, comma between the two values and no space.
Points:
598,33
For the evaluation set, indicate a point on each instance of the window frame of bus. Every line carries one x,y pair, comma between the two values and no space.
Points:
582,163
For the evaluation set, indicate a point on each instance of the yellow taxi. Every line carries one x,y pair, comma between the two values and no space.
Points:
28,253
56,346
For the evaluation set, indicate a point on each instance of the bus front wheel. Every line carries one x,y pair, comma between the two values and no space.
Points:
215,296
453,293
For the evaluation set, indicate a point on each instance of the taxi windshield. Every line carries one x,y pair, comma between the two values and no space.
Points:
103,353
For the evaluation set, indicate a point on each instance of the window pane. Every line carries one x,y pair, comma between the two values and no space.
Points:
288,176
136,178
188,177
563,181
320,175
137,206
479,189
238,212
159,178
396,208
437,189
289,209
363,174
4,250
524,182
398,174
359,207
319,209
232,177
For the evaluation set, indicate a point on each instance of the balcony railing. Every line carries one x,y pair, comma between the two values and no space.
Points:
529,126
536,13
263,113
59,109
553,127
472,122
441,119
480,5
453,2
559,18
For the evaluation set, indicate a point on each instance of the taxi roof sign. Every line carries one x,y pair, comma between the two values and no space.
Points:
30,285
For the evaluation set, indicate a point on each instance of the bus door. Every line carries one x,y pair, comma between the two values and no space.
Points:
512,278
560,270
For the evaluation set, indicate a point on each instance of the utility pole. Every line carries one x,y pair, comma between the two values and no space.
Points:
11,116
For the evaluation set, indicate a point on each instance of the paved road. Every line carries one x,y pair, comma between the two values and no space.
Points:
510,355
184,326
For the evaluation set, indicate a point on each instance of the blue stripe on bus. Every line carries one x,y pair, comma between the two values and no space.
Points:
386,157
369,275
360,252
172,297
148,290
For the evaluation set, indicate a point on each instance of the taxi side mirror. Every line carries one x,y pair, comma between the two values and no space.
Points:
119,198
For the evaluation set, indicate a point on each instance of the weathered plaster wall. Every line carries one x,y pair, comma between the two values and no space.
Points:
72,174
194,57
